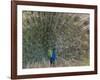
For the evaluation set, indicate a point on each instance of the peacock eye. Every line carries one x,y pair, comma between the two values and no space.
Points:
86,23
76,18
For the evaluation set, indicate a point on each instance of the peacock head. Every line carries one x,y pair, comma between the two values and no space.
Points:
54,49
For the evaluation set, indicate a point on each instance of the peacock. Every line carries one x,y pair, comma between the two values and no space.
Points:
52,56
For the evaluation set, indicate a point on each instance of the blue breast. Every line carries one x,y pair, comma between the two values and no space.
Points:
53,57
